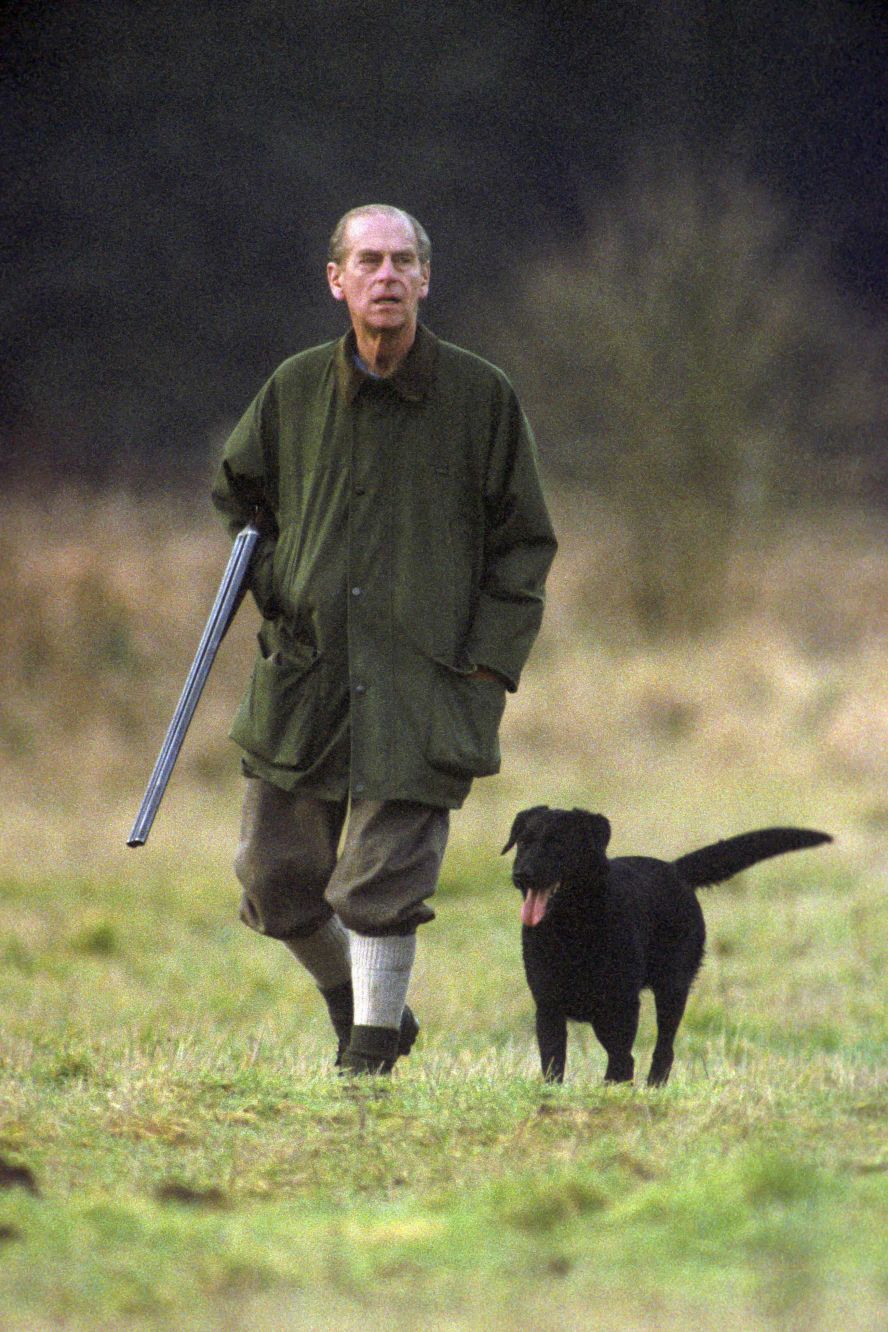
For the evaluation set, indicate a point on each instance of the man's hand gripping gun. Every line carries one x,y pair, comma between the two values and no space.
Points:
228,598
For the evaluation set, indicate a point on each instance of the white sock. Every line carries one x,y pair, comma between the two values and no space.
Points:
381,968
325,954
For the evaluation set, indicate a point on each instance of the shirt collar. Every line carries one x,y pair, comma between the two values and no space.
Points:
411,381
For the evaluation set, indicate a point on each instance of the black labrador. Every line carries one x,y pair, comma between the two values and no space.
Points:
596,932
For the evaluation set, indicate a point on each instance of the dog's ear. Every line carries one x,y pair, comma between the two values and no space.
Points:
519,824
602,831
596,830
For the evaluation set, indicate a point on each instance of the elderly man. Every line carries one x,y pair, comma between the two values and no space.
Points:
400,580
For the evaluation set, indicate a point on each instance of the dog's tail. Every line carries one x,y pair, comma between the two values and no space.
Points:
721,860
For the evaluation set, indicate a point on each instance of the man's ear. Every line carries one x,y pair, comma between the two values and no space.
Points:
520,823
333,280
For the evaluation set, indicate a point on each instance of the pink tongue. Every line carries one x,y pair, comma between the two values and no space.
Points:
534,906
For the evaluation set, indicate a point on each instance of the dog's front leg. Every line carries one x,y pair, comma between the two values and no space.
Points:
551,1030
616,1029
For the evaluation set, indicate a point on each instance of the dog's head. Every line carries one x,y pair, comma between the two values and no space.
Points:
560,851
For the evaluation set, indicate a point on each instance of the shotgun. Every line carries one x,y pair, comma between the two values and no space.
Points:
228,598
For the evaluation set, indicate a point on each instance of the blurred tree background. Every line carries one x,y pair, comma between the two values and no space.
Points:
693,360
664,218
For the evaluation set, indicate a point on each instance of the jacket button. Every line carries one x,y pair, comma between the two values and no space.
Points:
358,788
356,591
360,689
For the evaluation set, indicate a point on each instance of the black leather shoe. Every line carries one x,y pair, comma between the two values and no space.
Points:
371,1050
340,1005
409,1031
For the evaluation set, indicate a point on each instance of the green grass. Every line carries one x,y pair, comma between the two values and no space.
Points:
165,1077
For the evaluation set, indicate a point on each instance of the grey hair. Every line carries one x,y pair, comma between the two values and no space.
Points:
337,251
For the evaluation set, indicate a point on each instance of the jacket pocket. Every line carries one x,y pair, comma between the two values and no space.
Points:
276,719
463,734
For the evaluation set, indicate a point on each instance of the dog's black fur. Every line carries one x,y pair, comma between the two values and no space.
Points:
596,932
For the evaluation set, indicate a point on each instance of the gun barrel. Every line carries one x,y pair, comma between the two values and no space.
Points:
221,615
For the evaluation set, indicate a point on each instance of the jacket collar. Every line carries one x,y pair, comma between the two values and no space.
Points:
411,381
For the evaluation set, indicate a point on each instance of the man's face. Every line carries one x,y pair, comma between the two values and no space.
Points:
381,279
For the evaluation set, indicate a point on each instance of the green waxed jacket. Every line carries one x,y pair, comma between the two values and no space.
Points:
409,543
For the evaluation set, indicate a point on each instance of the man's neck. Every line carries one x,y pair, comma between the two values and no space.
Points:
382,351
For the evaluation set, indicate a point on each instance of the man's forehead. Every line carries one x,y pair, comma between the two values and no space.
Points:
379,231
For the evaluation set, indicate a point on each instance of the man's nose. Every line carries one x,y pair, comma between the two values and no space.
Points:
387,268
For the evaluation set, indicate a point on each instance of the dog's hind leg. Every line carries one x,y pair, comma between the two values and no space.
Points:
670,1005
551,1031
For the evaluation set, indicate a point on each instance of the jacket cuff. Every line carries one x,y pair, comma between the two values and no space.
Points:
501,637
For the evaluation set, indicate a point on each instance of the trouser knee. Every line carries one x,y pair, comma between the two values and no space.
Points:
374,918
285,856
389,867
283,899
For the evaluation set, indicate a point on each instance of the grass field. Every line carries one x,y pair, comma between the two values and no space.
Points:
175,1149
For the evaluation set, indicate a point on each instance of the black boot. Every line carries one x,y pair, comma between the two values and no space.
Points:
371,1050
408,1033
340,1006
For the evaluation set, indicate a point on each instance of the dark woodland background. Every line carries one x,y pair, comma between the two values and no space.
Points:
666,220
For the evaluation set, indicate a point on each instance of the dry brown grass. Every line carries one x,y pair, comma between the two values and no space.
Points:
782,713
